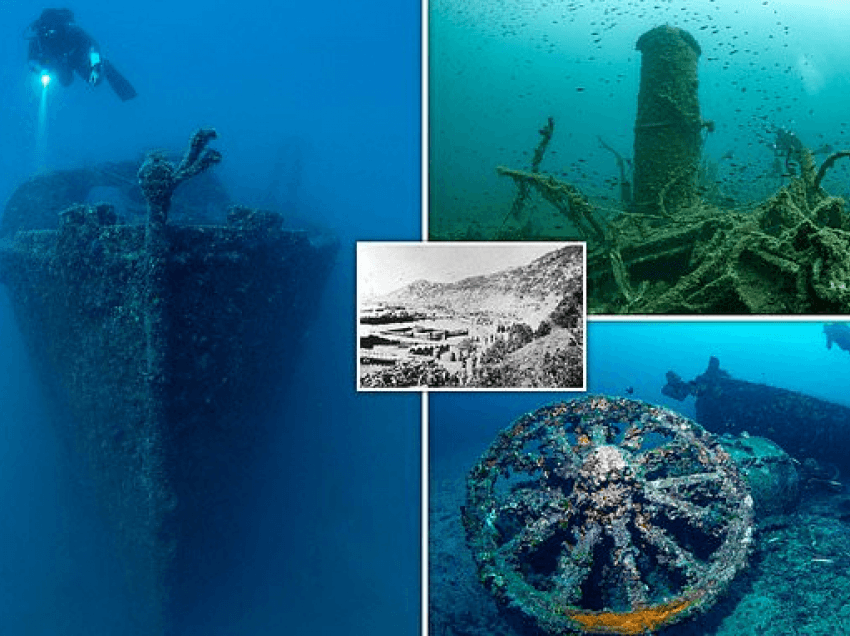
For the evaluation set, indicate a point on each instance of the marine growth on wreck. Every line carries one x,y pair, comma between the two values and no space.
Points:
673,245
606,516
161,342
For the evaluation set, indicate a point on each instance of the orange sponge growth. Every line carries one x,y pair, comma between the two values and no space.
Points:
635,622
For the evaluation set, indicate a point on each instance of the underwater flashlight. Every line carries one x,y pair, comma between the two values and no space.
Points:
45,78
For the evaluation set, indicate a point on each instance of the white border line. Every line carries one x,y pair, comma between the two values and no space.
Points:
768,318
425,202
425,498
424,438
425,139
436,245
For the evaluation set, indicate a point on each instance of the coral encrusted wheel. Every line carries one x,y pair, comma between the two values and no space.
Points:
606,516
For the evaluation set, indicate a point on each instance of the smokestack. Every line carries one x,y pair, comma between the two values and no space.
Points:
667,129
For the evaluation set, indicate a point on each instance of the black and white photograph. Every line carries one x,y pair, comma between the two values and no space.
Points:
495,315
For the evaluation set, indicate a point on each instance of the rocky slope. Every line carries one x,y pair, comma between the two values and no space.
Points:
526,293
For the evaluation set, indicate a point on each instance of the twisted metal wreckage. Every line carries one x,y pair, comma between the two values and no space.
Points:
669,251
606,516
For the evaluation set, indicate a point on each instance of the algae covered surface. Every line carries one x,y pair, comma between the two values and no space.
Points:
791,255
700,159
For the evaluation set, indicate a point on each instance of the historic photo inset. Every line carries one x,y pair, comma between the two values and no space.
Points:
485,315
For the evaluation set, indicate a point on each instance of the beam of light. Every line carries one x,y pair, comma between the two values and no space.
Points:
41,139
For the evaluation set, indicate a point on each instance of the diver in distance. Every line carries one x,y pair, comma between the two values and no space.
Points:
788,151
58,47
839,333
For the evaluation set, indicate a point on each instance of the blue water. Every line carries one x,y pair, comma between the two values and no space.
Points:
498,70
323,100
637,355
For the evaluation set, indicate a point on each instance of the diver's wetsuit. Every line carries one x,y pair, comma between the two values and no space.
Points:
63,51
787,147
62,48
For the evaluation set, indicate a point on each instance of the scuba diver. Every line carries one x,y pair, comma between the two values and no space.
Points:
787,151
838,333
59,47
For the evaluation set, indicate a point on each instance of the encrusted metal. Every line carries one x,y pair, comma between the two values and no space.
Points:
606,516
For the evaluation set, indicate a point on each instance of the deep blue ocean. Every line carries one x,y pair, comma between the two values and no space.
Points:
637,356
324,100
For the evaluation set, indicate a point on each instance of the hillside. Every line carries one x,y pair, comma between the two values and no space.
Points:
527,293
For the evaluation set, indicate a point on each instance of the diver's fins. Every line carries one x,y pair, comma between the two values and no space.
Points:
118,82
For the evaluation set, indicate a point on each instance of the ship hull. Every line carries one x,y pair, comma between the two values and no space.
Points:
166,367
